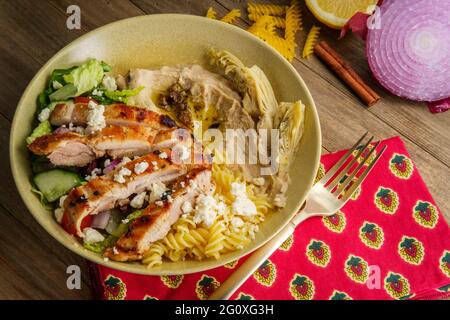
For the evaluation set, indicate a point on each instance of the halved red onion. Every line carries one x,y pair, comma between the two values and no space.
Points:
100,221
410,54
110,167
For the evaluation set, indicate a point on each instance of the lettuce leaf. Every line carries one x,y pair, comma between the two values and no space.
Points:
77,80
41,130
42,199
99,247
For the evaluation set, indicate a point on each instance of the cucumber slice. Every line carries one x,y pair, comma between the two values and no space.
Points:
56,183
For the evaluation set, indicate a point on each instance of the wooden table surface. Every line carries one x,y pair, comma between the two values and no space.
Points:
33,265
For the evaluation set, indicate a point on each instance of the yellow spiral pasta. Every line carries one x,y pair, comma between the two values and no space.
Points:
279,22
231,16
211,13
269,9
186,239
310,42
293,21
215,241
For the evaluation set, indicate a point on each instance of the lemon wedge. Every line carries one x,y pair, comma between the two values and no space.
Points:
335,14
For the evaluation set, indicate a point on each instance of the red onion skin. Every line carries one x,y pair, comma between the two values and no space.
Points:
439,106
100,221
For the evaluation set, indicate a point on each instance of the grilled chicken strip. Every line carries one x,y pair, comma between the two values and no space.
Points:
103,193
115,114
155,221
73,149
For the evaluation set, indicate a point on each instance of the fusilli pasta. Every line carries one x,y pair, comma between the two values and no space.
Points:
186,239
270,9
310,42
231,16
211,13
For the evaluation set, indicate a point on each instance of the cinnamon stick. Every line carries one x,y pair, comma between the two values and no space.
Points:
346,73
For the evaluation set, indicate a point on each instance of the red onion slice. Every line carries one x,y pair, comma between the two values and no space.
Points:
100,221
410,54
110,167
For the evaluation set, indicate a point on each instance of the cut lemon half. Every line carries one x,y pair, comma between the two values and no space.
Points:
335,14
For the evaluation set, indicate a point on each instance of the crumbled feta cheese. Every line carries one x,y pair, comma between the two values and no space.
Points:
61,201
93,174
125,221
140,167
120,176
238,189
56,85
163,155
107,162
280,200
44,115
237,222
159,203
115,251
106,259
109,83
259,181
253,229
95,119
91,235
97,92
59,214
242,205
186,207
124,161
182,184
157,189
207,208
79,130
138,200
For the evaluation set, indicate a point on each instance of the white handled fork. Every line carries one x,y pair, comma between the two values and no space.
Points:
326,197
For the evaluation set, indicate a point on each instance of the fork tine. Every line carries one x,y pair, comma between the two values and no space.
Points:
354,172
361,178
338,178
341,161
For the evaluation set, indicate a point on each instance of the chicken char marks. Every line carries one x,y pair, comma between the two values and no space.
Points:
155,221
103,193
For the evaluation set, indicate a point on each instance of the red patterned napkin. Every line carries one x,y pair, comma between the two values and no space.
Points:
388,242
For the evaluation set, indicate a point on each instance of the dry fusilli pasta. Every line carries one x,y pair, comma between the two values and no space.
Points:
310,42
231,16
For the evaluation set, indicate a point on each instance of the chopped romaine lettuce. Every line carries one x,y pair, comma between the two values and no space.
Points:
99,247
57,76
42,199
80,80
41,130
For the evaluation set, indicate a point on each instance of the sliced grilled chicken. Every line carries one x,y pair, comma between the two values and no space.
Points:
115,114
73,149
155,221
103,193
